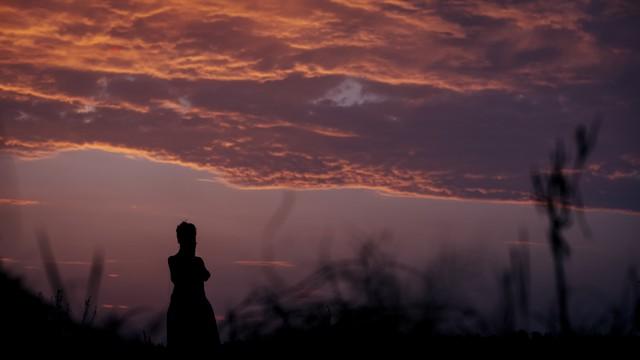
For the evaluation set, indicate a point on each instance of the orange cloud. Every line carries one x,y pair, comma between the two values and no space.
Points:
124,40
76,100
397,183
31,149
18,202
264,263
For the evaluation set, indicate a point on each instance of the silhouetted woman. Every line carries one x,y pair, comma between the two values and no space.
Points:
191,323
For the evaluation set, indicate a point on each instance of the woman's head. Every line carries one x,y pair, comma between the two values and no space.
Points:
186,234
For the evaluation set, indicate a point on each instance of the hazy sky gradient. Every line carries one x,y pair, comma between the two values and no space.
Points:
129,207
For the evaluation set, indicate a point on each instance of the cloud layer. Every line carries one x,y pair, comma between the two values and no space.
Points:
445,99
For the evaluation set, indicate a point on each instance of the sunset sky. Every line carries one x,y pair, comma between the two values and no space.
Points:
423,119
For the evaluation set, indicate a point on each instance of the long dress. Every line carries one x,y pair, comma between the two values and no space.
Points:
191,323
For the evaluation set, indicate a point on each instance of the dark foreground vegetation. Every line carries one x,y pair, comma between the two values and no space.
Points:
354,307
29,324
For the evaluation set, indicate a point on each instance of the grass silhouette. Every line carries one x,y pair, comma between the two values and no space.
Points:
34,325
558,194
